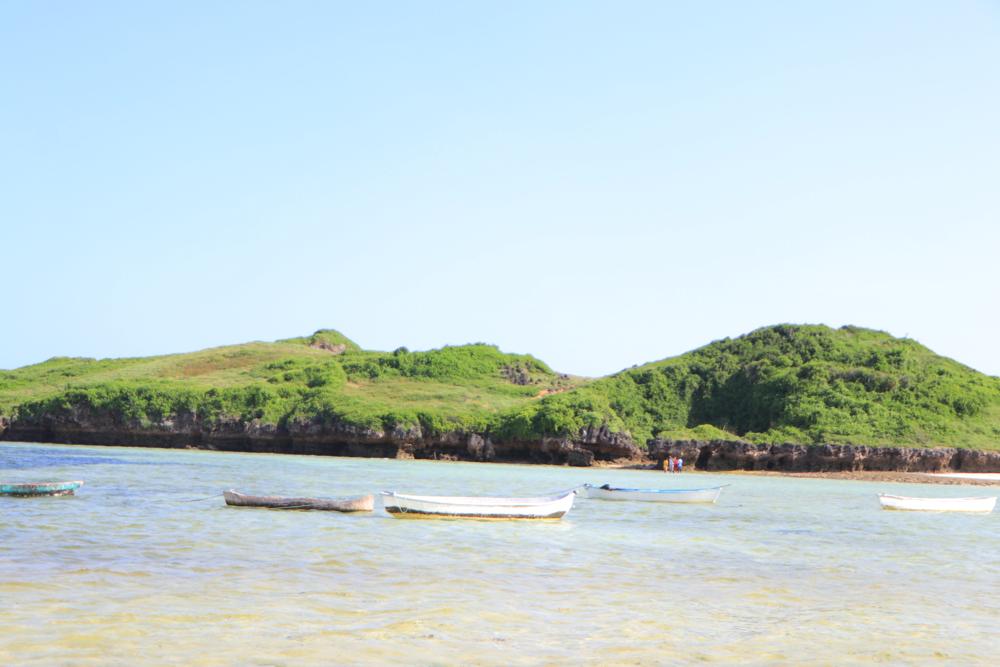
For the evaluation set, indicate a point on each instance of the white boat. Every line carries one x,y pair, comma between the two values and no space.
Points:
404,506
606,492
983,504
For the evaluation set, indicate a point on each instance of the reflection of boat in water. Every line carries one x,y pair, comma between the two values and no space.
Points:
355,504
405,506
983,504
606,492
26,489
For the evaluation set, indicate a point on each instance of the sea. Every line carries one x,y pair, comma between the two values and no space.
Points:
146,565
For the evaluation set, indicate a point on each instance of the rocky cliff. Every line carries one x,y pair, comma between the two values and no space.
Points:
81,425
741,455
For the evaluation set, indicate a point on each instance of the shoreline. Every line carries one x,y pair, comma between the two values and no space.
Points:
987,479
950,479
890,476
591,446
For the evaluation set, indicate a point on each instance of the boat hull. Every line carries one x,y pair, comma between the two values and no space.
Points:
25,490
982,505
355,504
404,506
708,495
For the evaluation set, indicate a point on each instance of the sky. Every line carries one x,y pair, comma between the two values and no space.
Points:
599,184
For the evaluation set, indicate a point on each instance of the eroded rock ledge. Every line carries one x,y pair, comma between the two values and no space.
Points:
83,426
741,455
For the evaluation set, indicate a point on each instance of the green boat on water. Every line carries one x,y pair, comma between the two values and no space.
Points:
39,488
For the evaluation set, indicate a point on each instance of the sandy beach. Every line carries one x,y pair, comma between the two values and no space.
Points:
952,478
976,479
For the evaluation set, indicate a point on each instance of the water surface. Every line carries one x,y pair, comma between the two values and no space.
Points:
148,566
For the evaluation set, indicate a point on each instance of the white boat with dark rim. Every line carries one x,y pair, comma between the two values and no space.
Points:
404,506
983,504
607,492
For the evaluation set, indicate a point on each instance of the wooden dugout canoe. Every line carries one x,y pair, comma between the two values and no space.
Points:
353,504
403,506
707,495
26,489
983,504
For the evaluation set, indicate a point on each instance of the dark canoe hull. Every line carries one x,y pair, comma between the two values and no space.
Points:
355,504
27,490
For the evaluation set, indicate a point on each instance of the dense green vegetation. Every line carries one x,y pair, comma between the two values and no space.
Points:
803,384
800,384
301,379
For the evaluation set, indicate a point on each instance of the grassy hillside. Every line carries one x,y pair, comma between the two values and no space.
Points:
802,384
799,384
453,388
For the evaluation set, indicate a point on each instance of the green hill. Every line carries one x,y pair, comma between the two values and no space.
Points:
324,376
796,384
786,383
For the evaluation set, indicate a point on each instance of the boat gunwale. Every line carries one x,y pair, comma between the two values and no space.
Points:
483,501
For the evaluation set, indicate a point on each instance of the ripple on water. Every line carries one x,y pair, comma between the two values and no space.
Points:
130,570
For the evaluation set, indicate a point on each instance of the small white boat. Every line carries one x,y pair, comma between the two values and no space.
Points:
606,492
404,506
982,504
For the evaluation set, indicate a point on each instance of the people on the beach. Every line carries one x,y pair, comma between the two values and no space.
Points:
673,464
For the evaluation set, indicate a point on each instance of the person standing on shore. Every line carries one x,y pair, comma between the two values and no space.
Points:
679,466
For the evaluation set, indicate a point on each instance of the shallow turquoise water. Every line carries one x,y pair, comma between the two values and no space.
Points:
139,568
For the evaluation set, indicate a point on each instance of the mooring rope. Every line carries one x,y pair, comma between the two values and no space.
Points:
195,500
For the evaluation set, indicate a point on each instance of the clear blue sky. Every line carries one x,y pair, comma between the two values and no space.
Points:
598,184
